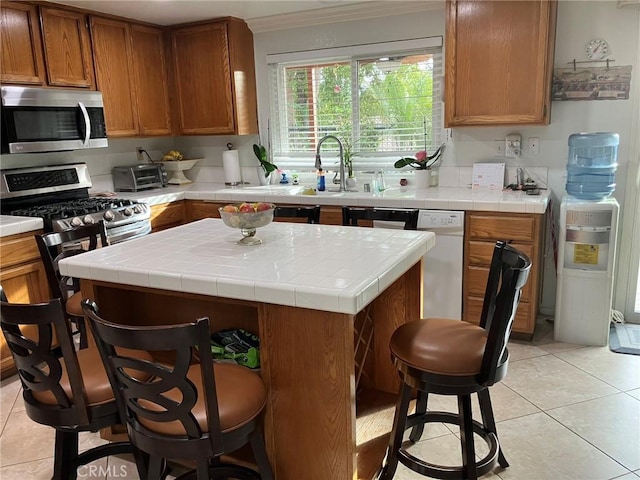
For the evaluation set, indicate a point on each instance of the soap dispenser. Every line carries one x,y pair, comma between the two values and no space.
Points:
321,180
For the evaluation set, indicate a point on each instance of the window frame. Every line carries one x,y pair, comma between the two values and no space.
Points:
352,54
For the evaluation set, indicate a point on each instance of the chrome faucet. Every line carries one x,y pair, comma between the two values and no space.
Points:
343,180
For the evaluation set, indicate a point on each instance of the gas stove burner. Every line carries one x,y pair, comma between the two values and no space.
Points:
73,208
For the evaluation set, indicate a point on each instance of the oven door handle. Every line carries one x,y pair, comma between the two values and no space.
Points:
87,123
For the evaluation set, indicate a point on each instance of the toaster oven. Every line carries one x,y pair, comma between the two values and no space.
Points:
139,177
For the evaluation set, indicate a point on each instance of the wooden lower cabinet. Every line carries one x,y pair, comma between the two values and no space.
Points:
23,280
167,215
524,232
199,209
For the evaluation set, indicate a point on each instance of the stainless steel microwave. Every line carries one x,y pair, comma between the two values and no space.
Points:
51,120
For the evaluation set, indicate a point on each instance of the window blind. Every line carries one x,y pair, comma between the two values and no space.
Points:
382,106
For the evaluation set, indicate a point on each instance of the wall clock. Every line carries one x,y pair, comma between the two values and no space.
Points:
597,49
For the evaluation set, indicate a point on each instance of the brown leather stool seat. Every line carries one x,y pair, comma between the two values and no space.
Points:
433,345
241,398
453,357
73,306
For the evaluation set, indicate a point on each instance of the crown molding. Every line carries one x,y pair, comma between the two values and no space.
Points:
342,13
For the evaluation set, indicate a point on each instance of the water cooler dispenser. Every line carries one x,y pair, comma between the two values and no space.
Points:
587,241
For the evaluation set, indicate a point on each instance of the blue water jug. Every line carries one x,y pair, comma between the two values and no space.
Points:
591,169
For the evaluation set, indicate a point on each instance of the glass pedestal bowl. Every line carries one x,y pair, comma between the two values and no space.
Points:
248,217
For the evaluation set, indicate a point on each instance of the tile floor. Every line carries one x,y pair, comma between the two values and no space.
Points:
563,412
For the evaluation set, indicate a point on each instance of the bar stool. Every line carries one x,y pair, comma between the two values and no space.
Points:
452,357
54,247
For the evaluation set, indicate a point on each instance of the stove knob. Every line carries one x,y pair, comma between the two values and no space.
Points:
88,219
108,215
137,209
128,212
76,222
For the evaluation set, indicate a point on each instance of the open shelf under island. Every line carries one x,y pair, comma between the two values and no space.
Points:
319,296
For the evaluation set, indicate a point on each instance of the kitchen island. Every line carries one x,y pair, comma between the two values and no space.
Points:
319,296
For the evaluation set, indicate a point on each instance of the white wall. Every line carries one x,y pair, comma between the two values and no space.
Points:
578,22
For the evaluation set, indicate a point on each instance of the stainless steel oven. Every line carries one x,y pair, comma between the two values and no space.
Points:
59,194
50,120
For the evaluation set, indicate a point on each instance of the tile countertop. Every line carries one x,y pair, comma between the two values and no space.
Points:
10,225
437,198
322,267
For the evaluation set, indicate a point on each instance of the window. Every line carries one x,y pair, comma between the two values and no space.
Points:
382,103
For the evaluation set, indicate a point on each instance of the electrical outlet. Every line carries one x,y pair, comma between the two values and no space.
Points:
139,154
500,147
534,146
513,145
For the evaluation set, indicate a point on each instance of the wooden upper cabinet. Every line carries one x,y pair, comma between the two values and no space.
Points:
150,80
499,62
67,48
21,60
114,75
215,78
131,74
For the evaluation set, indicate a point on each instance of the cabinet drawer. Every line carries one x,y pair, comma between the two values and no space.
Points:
477,281
509,228
521,322
480,253
19,248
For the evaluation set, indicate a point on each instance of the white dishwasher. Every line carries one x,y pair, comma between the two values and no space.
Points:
442,264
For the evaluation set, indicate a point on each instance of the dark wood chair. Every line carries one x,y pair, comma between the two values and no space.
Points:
70,393
453,357
189,410
54,247
312,214
351,216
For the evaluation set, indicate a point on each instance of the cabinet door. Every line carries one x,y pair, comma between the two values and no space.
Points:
25,283
499,62
150,80
66,48
114,75
168,215
203,79
21,60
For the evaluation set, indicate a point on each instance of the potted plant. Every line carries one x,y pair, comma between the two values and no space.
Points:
423,164
261,153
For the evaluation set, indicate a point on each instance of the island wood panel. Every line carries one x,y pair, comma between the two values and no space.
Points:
307,364
21,60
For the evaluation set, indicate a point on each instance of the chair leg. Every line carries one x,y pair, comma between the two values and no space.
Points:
260,455
466,437
390,463
421,408
66,453
489,422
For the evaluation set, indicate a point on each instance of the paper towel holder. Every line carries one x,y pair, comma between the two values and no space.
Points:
231,164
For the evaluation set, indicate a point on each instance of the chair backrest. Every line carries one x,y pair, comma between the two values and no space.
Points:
144,404
312,214
351,215
39,367
507,275
75,241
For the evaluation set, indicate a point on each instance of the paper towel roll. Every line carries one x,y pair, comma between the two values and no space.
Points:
231,164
